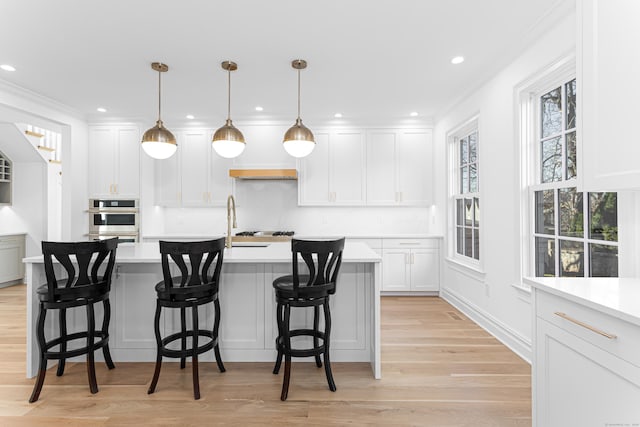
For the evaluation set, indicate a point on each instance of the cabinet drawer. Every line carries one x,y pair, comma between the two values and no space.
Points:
372,243
409,243
591,325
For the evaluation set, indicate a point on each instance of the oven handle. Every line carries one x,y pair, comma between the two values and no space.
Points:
113,211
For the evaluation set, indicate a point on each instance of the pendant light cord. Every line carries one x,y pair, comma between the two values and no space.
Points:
298,94
159,95
229,94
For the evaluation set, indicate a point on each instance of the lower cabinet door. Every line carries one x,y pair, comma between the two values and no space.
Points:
395,270
577,383
425,273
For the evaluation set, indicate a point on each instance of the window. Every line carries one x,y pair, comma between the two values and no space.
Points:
575,234
466,197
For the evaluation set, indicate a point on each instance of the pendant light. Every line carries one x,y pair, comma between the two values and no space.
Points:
228,141
298,140
158,142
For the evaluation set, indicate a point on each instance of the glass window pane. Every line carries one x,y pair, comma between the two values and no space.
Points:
468,212
476,243
476,212
464,180
571,104
545,216
545,257
571,155
473,178
571,259
460,240
464,151
603,261
468,243
571,213
459,211
551,112
551,160
603,216
473,147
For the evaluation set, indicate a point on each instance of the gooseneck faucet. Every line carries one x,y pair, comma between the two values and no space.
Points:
231,207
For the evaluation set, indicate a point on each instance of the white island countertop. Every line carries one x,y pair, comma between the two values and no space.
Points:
277,252
618,297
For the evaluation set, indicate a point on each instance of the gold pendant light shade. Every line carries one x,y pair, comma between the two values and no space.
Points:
228,141
298,140
158,142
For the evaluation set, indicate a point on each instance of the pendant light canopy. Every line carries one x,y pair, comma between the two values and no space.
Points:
228,141
298,140
158,142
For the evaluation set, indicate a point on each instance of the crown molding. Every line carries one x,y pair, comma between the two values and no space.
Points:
31,96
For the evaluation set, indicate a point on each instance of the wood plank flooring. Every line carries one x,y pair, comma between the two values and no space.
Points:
439,369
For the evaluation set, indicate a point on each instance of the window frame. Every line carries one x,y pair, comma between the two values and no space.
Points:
454,137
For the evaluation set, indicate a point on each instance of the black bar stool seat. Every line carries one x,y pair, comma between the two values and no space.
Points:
82,287
323,259
195,287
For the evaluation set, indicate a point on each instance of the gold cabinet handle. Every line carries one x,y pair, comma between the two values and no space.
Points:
584,325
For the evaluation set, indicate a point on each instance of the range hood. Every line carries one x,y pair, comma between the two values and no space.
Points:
290,174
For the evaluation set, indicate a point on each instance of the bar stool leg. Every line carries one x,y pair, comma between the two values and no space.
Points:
216,328
42,370
194,352
105,331
316,323
91,366
156,373
287,353
327,333
63,343
183,345
279,314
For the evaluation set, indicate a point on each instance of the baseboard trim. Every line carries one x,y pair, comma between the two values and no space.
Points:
11,283
503,333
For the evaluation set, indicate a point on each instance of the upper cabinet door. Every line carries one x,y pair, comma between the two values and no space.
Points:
168,181
415,168
346,167
608,92
220,184
128,165
102,161
313,182
382,188
196,156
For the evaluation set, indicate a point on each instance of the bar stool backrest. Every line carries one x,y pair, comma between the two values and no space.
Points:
87,280
197,272
323,259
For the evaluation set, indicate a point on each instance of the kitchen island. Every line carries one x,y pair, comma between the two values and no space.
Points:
248,325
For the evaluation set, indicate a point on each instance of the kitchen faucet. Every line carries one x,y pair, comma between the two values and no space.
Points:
231,207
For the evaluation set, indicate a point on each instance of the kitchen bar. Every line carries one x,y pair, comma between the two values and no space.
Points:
248,325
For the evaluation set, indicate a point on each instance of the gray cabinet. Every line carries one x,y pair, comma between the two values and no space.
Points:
6,172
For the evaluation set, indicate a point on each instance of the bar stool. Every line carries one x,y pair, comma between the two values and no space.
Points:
323,259
82,287
194,287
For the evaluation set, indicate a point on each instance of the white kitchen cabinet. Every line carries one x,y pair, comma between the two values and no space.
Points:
114,161
580,376
399,168
334,173
196,177
410,265
11,254
608,89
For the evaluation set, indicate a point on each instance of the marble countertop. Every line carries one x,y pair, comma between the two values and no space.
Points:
618,297
12,233
300,236
133,253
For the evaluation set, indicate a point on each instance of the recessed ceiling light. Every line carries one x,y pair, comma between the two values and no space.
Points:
413,114
457,60
7,67
259,108
190,116
101,110
338,115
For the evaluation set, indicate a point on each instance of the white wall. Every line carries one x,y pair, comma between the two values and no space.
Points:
492,299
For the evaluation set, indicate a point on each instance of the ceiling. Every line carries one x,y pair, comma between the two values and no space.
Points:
373,61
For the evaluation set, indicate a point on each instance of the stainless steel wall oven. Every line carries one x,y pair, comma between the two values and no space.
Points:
114,218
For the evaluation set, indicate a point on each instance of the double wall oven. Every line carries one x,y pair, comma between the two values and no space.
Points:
114,218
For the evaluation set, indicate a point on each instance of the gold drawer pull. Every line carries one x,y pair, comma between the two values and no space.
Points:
584,325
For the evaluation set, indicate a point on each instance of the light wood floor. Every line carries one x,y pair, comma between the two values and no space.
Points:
439,369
